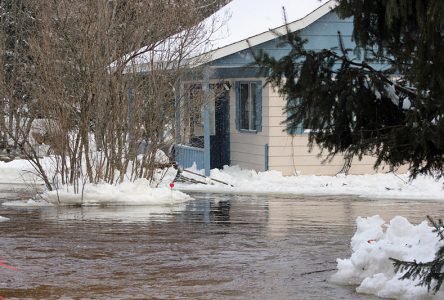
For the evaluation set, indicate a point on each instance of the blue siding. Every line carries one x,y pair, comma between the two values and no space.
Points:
322,34
186,156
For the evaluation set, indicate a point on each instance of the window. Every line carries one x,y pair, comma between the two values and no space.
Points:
195,109
293,104
299,129
249,106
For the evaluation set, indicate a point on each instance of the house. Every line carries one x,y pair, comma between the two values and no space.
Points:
241,120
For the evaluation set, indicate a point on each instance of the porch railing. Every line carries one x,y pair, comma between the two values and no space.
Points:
187,155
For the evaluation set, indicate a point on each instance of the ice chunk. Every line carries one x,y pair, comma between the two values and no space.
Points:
3,219
369,266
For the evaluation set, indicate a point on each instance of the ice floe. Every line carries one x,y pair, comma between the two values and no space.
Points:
369,266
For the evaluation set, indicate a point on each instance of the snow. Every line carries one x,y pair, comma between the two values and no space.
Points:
240,181
391,93
251,17
373,244
16,172
374,186
138,192
227,26
406,104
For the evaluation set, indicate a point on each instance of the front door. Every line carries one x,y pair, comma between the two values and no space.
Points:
220,142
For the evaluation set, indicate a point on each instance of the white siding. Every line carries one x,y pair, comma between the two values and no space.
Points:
248,148
290,154
287,154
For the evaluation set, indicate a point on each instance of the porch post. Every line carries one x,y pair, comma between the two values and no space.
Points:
207,145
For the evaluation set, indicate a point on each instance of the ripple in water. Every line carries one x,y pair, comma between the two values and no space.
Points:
214,247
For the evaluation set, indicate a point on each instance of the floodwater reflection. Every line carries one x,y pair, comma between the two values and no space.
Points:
213,247
126,214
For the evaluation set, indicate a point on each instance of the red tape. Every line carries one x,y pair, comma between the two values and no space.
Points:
4,266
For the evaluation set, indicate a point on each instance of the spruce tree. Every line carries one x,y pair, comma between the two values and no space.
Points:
384,98
429,274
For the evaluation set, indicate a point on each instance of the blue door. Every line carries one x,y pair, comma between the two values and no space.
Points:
220,141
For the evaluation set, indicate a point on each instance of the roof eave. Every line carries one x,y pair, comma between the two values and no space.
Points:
267,35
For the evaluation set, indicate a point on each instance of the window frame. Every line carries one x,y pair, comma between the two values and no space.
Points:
299,130
255,106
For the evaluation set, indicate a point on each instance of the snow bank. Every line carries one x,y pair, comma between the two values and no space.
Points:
389,186
272,182
127,193
3,219
17,171
373,244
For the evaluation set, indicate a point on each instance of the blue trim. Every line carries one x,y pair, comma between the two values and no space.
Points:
207,136
267,151
258,106
221,72
237,72
237,91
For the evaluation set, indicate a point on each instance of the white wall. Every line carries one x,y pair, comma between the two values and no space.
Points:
247,148
290,154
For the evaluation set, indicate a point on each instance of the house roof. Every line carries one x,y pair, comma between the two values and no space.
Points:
242,23
257,21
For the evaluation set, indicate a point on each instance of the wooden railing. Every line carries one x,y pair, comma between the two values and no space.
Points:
187,155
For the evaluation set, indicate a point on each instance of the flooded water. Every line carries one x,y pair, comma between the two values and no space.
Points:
214,247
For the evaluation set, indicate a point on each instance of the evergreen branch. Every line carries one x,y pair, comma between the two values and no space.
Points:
431,273
439,227
355,106
379,74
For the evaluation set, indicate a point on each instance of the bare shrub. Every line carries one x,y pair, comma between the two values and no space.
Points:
105,73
